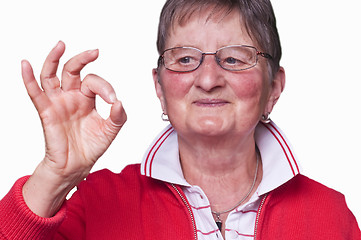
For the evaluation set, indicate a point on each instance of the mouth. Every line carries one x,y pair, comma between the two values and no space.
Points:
210,102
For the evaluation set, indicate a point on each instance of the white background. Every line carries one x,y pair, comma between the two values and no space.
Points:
319,110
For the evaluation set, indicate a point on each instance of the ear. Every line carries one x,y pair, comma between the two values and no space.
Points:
277,86
159,89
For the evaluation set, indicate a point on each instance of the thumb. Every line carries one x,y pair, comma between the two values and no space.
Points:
117,116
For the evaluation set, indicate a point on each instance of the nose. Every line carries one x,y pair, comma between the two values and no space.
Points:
209,75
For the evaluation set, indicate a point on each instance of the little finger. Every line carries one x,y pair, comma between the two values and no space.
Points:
37,96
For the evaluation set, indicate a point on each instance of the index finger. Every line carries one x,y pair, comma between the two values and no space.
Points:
71,72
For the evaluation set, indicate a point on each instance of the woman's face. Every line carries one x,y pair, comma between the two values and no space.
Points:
211,101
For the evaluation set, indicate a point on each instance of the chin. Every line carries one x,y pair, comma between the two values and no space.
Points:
209,126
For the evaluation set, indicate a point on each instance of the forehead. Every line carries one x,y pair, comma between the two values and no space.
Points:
208,28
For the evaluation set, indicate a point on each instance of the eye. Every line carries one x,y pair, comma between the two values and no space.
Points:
230,60
184,60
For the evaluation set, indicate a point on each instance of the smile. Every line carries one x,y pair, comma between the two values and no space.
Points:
210,102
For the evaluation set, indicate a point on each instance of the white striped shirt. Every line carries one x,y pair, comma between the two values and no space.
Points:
161,161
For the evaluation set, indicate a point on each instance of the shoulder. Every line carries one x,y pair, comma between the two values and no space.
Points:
129,181
306,197
301,183
304,207
305,190
132,170
107,179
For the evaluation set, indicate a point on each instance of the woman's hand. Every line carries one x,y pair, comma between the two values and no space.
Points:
75,134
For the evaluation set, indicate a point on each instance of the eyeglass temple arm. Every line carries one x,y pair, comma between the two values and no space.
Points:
265,55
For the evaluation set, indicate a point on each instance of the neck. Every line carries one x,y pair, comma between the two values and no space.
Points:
224,170
217,157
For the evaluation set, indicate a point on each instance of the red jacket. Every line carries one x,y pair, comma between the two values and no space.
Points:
131,206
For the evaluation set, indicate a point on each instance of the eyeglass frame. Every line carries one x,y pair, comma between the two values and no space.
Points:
258,53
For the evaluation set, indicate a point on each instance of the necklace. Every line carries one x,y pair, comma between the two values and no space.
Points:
218,214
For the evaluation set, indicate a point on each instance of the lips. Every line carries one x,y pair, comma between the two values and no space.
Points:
210,102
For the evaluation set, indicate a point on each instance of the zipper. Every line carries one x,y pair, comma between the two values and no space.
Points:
189,210
258,215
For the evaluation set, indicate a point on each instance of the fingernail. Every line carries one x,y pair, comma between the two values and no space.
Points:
92,51
24,63
57,44
113,97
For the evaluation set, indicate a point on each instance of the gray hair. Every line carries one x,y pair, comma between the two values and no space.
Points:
257,17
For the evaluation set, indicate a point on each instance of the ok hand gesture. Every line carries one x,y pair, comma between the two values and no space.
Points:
75,134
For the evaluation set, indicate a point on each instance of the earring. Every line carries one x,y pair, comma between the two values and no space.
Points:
165,117
265,118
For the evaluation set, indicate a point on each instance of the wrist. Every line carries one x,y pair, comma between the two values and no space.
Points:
45,191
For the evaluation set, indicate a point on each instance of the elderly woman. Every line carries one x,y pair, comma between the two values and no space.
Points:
220,170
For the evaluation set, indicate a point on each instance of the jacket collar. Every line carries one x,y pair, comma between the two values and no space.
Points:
161,160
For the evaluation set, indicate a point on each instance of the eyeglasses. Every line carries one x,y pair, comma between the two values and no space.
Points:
232,58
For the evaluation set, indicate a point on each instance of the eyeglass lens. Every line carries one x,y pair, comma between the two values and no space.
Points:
233,58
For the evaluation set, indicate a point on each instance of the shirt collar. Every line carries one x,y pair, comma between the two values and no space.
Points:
161,160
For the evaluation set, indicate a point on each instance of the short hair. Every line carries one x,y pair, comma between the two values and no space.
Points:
257,16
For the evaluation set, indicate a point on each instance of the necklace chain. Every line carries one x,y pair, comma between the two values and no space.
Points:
243,199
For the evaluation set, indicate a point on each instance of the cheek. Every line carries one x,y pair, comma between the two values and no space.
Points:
248,86
175,85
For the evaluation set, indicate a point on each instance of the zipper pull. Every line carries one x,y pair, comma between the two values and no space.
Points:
219,222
